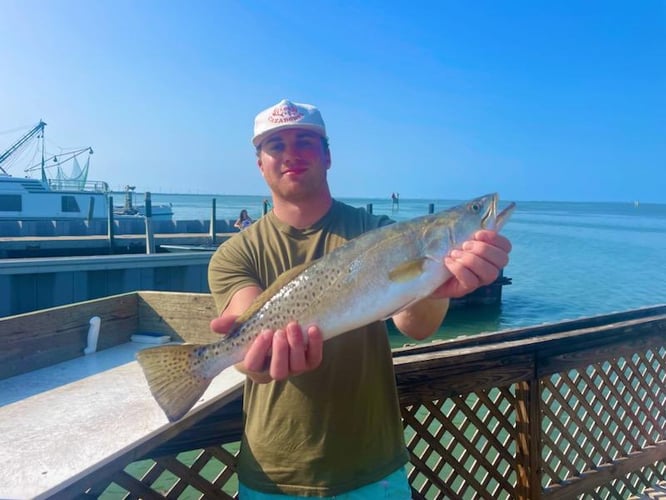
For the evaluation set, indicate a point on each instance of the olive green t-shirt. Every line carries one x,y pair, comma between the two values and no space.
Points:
338,427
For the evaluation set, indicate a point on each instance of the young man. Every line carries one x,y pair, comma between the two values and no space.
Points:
321,420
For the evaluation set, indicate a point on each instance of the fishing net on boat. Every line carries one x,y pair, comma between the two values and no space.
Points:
76,180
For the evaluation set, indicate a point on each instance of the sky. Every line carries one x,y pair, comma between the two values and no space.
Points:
446,99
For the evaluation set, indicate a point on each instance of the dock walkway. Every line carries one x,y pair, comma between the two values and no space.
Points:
62,424
34,246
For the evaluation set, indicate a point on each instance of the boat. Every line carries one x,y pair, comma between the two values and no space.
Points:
60,197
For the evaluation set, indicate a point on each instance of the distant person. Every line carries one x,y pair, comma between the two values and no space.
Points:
244,221
322,420
395,198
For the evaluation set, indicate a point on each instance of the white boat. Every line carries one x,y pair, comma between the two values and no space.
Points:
62,197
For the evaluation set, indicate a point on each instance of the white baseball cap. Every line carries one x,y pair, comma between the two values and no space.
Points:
286,114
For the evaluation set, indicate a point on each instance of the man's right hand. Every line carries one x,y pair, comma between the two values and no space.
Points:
277,354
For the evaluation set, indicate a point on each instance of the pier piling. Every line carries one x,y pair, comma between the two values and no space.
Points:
150,240
109,227
212,229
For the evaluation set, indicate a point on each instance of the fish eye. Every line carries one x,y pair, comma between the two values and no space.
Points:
475,207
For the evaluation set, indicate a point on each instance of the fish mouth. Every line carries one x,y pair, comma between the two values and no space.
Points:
489,217
504,215
493,220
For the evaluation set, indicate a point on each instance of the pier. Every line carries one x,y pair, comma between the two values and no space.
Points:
19,239
553,411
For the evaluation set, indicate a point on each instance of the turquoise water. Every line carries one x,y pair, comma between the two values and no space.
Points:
569,259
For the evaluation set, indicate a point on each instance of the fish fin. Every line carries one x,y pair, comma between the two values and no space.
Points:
171,372
393,313
407,270
409,305
281,280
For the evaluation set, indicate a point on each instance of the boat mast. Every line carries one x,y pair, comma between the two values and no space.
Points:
12,149
43,171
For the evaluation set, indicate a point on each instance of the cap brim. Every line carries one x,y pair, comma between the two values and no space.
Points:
259,138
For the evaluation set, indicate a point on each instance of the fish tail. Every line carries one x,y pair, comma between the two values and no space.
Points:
175,377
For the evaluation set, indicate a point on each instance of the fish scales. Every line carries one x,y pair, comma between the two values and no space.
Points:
370,278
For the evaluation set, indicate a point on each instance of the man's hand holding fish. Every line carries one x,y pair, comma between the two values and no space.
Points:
277,354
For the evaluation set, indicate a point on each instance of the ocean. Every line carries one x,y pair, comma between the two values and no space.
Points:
569,259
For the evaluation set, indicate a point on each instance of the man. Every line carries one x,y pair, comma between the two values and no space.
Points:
321,420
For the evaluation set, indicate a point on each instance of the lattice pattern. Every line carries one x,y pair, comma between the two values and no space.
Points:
206,473
593,417
464,446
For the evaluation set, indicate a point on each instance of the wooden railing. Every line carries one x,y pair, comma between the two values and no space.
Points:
558,411
569,410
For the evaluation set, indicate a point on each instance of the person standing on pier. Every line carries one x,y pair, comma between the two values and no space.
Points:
244,221
321,420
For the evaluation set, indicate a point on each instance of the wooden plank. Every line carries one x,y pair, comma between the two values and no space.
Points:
541,331
38,339
621,342
550,344
604,474
528,438
184,316
451,375
223,426
657,492
122,425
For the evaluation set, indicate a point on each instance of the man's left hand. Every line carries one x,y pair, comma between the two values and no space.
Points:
477,264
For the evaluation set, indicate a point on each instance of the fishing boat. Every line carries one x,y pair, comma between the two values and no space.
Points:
63,196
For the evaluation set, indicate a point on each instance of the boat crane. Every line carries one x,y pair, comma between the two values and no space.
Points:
39,128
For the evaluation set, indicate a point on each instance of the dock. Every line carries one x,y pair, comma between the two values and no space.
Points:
555,411
54,238
67,245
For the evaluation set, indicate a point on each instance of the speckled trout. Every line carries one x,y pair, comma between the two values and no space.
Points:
370,278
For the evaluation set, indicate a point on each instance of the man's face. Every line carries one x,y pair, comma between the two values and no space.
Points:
294,163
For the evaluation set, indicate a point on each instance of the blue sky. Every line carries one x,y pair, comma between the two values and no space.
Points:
536,100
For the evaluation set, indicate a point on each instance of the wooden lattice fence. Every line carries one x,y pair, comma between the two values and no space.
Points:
569,410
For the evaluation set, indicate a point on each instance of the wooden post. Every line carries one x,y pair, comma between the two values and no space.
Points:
368,207
528,428
266,205
431,208
213,232
150,241
109,226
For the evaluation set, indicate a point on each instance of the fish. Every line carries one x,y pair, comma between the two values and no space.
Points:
370,278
